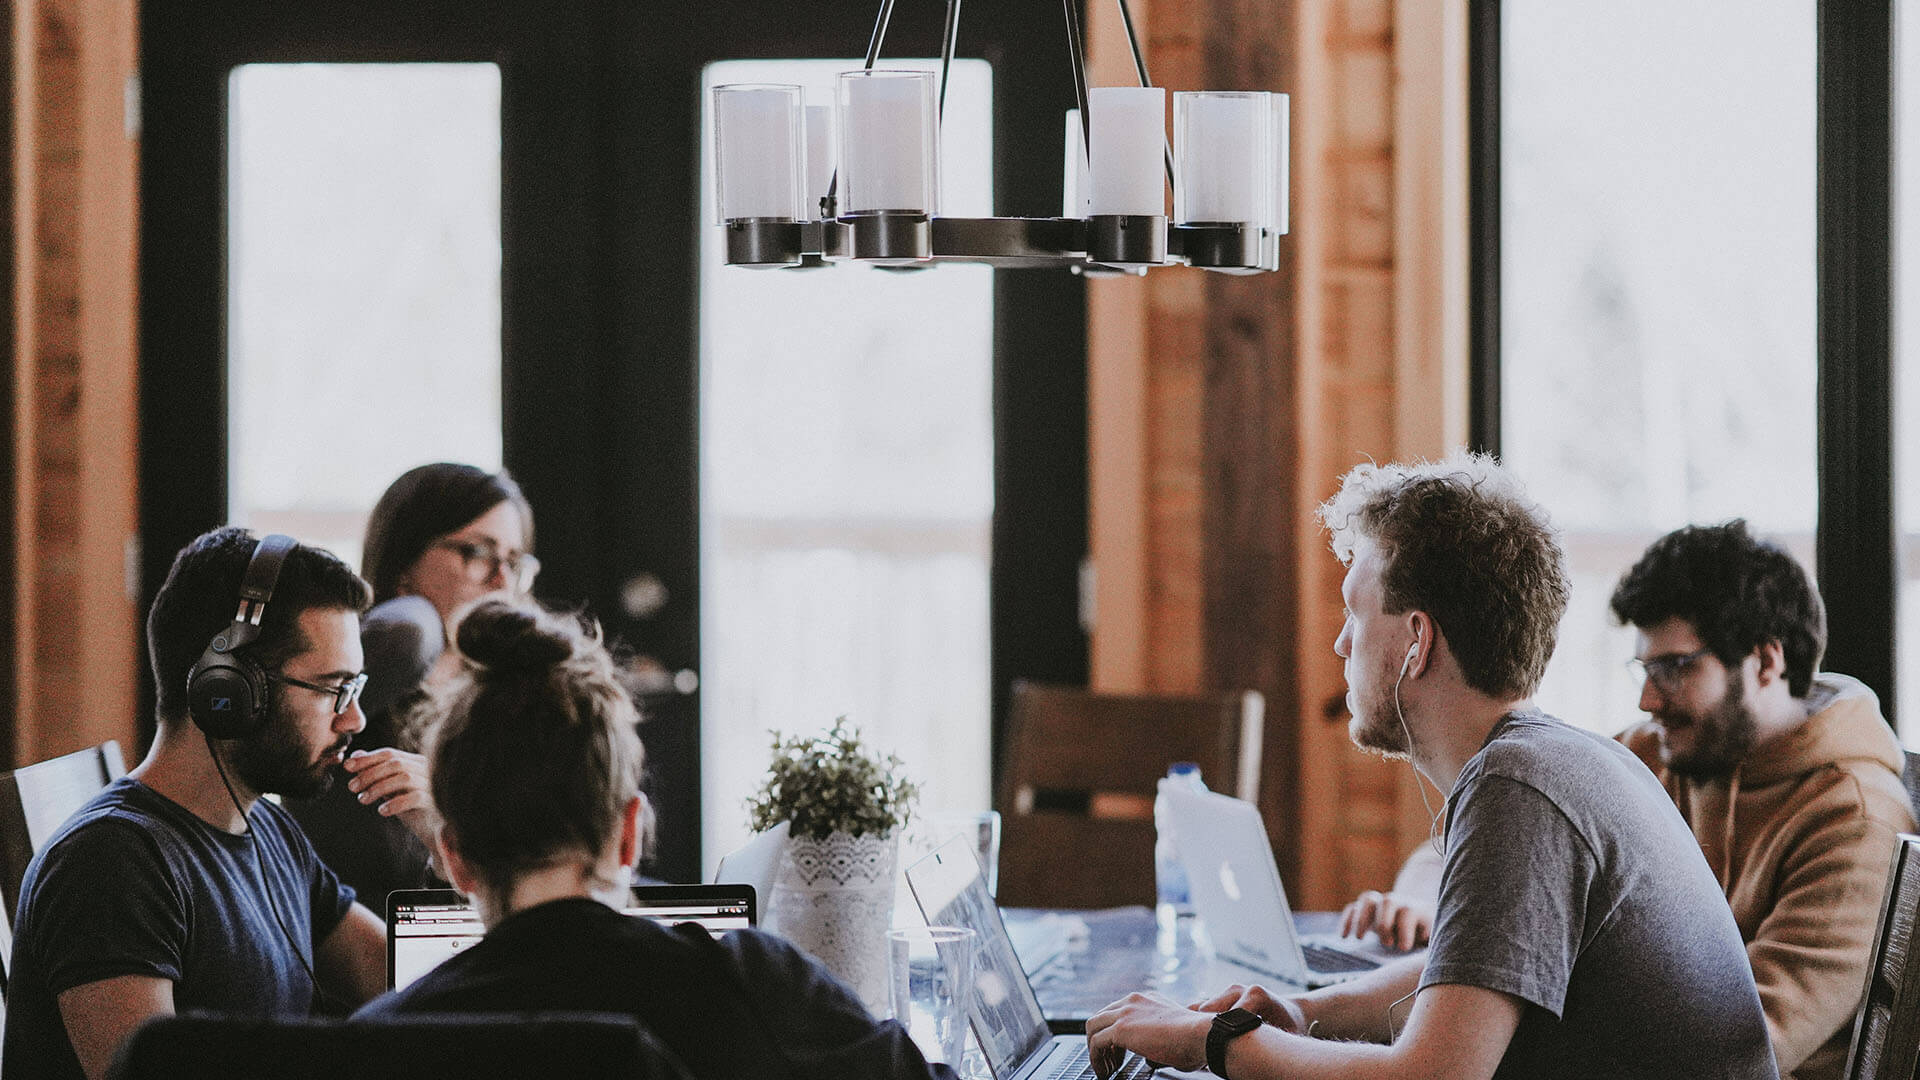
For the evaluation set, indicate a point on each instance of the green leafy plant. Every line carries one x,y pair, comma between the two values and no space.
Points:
831,783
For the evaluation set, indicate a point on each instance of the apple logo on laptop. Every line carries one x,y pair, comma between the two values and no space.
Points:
1229,883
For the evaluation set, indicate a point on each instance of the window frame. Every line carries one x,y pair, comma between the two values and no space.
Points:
600,114
1856,550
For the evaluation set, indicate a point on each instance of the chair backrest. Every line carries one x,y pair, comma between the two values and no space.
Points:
1886,1031
1079,776
1911,777
424,1047
36,799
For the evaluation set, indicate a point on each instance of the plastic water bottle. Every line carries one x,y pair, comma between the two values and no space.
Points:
1174,908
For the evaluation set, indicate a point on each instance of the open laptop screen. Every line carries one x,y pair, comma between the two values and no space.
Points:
1007,1019
426,926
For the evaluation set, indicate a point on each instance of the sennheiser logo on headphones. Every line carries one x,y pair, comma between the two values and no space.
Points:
223,704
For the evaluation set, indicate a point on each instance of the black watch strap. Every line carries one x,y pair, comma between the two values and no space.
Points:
1227,1027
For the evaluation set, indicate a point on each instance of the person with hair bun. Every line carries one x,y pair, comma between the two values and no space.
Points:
535,766
441,536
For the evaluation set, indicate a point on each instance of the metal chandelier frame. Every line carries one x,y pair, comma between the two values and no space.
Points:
1097,244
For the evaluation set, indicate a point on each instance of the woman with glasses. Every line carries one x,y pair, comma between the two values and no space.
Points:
536,772
441,537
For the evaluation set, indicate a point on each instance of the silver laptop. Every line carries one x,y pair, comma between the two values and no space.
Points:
426,926
1006,1016
1237,893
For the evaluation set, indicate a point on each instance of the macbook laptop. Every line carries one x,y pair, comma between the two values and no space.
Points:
755,863
425,926
1237,893
1006,1016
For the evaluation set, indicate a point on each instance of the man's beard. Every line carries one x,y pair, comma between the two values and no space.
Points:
1376,726
1722,736
277,761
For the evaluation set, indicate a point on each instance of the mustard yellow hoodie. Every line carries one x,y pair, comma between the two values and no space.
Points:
1801,837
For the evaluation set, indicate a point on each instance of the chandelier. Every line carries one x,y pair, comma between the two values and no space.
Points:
811,185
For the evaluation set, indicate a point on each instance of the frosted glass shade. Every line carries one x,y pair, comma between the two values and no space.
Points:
889,142
1076,200
1129,139
758,155
1282,139
821,160
1221,160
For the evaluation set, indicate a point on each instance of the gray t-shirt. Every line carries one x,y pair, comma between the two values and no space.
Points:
1572,883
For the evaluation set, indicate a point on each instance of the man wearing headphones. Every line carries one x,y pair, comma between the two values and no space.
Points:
178,887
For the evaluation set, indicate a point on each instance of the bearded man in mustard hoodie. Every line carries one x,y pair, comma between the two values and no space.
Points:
1788,776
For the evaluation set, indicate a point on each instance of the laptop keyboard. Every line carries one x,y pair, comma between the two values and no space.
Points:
1079,1067
1334,962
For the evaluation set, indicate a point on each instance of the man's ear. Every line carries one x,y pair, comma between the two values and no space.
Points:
459,873
632,829
1773,661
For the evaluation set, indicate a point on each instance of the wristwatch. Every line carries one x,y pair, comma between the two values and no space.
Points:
1227,1027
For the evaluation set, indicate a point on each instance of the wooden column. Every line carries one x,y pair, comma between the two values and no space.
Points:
73,403
1226,409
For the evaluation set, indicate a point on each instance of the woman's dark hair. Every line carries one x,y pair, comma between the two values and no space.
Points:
533,744
1738,592
425,504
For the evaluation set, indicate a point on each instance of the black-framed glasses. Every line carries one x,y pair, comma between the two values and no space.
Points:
483,560
1666,670
344,695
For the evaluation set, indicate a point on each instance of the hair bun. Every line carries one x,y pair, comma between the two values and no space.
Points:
501,636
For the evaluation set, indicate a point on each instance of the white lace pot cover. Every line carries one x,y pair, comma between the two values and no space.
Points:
834,899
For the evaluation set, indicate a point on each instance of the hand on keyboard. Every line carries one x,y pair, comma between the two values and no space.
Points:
1283,1013
1152,1026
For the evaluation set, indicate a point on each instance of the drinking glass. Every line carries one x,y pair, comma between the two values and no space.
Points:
930,972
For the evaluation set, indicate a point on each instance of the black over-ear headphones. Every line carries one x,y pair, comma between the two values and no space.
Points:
227,691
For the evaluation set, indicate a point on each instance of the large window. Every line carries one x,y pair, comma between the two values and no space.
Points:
363,319
1657,305
847,493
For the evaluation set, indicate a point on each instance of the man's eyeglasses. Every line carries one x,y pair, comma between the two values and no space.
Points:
344,695
482,561
1666,671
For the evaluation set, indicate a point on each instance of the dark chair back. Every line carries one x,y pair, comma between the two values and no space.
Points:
36,799
424,1047
1886,1032
1078,780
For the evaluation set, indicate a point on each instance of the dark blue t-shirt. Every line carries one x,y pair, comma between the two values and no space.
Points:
135,884
746,1005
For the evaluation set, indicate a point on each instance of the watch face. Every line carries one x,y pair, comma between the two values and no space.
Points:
1238,1021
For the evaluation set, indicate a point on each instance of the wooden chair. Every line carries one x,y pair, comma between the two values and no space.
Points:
1886,1032
424,1047
1079,777
36,799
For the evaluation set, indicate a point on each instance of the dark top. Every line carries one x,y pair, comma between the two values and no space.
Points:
747,1004
376,855
1572,884
135,884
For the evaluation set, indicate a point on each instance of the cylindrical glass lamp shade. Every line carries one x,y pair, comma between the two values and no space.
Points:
1076,200
1282,138
820,156
889,142
1129,138
759,161
1221,162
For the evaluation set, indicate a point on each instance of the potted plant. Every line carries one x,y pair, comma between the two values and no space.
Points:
843,806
